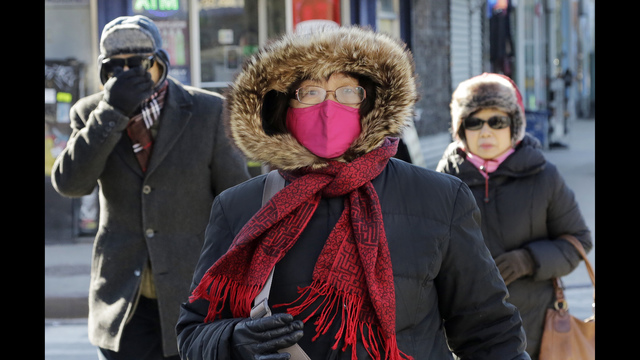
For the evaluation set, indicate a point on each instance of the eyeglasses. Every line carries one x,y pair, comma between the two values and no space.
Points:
146,61
348,95
495,122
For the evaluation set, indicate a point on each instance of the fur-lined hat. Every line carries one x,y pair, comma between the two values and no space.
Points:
269,75
487,90
132,35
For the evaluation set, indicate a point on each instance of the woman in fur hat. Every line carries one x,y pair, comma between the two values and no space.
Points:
525,204
374,258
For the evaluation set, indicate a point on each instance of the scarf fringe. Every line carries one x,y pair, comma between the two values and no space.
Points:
362,297
240,296
353,320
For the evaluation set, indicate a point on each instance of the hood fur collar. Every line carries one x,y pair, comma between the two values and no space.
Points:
281,63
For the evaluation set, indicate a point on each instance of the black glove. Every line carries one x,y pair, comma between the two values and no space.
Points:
515,264
126,90
260,339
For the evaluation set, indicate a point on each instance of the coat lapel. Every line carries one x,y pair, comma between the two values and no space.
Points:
175,117
124,150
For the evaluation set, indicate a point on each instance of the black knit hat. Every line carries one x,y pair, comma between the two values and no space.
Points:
132,35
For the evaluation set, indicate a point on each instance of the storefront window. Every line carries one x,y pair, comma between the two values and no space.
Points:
388,18
230,32
171,18
276,18
534,61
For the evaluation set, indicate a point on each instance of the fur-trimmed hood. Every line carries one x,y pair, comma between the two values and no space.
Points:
488,90
283,62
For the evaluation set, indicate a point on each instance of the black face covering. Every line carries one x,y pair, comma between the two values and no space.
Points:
106,70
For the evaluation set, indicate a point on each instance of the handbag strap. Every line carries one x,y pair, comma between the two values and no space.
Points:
576,243
561,302
273,184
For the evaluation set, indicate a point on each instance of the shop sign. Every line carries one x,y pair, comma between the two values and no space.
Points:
156,6
172,19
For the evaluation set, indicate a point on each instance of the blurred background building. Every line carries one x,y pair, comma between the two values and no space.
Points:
546,46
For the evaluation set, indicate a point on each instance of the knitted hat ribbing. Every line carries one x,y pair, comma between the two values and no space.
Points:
132,35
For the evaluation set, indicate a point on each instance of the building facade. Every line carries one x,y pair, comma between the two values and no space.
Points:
546,46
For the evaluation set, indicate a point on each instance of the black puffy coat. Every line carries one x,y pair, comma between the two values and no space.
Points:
441,268
527,204
445,279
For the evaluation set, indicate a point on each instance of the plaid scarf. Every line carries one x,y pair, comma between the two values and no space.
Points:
354,267
140,124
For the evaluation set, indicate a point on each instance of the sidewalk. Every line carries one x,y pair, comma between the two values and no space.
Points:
66,279
67,266
577,166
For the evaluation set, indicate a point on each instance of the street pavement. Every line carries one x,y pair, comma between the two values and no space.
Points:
67,265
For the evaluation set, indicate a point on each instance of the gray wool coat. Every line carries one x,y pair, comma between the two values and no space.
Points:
158,216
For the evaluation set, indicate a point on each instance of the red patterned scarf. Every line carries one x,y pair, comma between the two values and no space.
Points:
139,127
354,267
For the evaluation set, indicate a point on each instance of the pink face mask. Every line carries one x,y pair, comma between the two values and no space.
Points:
326,129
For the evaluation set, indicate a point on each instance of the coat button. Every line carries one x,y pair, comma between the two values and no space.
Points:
137,273
146,189
149,233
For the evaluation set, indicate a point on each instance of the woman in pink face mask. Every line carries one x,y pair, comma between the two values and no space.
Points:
372,257
324,115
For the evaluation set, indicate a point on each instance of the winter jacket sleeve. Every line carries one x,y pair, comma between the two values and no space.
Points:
200,341
479,322
197,339
94,136
556,257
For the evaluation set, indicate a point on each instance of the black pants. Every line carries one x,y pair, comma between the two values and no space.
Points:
142,338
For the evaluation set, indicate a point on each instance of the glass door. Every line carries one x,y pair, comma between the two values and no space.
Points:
230,31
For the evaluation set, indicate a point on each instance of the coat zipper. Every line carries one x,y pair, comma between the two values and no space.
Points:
485,174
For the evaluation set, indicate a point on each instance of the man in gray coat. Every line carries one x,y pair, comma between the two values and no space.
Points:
159,153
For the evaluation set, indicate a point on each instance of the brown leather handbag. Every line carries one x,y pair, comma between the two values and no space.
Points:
566,337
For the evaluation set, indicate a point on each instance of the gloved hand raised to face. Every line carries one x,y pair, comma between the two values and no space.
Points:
126,90
260,339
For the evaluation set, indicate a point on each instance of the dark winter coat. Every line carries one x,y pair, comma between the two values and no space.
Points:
528,206
158,216
445,279
441,268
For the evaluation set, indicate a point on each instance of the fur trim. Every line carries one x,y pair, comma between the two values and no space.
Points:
488,91
281,63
